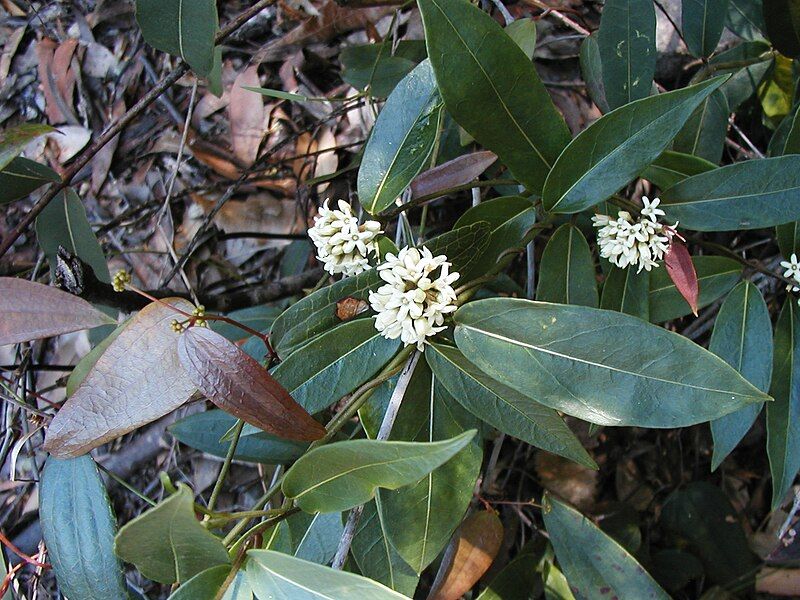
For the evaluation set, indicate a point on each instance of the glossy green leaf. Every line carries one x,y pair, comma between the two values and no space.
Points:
204,585
205,431
748,195
340,476
420,518
627,291
788,236
22,176
478,70
259,318
595,565
401,141
592,71
701,517
503,407
783,415
335,364
566,272
517,580
716,275
315,537
702,22
567,357
627,44
184,28
371,66
14,139
704,133
617,147
746,19
672,167
742,337
78,525
511,219
375,555
167,543
275,575
63,222
523,32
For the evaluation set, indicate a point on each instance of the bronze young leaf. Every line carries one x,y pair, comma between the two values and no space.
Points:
681,271
239,385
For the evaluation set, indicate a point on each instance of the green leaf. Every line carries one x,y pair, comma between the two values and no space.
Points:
742,337
618,146
592,71
716,275
315,537
401,141
748,195
372,66
627,45
420,518
479,69
335,364
672,167
701,517
14,139
746,19
783,415
184,28
792,143
22,176
782,20
517,580
523,32
595,565
275,575
259,318
167,543
788,236
63,222
704,133
78,526
340,476
375,555
204,585
511,219
702,22
205,431
569,358
566,273
627,291
502,407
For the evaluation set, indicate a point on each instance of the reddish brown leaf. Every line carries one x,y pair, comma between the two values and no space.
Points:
31,311
468,556
138,379
458,171
237,384
681,271
348,308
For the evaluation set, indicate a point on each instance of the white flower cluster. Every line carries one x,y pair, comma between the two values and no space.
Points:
343,246
626,241
413,302
792,267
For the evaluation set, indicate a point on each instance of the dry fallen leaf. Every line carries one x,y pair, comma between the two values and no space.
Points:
138,379
70,139
468,556
778,582
32,311
237,384
573,482
247,115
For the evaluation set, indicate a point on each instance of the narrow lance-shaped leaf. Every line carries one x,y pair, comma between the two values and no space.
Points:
702,22
503,407
742,337
680,269
703,134
340,476
32,311
401,141
479,70
167,543
22,176
627,45
236,383
459,171
78,525
628,292
596,566
138,379
592,71
746,19
618,146
783,415
569,358
566,273
276,575
671,167
748,195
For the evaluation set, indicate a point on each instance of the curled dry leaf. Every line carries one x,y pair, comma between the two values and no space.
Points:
469,556
247,115
236,383
681,270
32,311
138,379
459,171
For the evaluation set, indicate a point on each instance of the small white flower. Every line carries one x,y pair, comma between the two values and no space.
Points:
418,293
343,246
626,241
792,267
